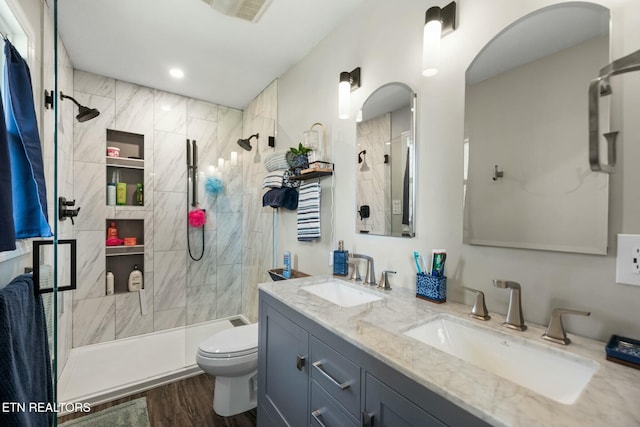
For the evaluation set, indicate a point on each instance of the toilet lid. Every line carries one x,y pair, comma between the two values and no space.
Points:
231,342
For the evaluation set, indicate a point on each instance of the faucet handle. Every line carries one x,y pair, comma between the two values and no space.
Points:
555,331
479,310
384,280
355,272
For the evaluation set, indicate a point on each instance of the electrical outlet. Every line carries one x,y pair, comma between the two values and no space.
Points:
628,259
635,260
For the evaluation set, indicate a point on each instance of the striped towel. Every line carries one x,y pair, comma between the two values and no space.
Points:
273,180
276,161
309,212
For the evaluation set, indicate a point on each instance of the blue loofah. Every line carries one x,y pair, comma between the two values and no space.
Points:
213,186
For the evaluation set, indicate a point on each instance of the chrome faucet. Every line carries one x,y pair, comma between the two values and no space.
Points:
370,277
479,310
555,331
514,318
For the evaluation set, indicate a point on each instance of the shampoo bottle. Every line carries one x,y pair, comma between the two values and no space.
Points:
110,283
112,231
286,271
135,279
340,258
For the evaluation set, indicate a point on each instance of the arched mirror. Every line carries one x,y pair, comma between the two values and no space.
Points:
385,162
527,176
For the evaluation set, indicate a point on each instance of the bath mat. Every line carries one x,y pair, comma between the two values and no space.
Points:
128,414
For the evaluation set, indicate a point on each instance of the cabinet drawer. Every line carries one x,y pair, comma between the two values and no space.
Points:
326,412
337,375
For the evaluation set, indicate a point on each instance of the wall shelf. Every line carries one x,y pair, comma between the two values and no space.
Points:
310,175
124,250
125,162
317,169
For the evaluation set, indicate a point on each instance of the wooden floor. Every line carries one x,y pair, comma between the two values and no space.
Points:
186,403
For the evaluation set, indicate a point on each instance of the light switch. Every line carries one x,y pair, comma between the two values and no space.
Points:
628,259
396,207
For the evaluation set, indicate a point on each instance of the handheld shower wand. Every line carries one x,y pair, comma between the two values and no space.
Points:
192,169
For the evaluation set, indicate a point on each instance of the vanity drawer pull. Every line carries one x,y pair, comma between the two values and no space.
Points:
300,362
317,415
318,366
367,419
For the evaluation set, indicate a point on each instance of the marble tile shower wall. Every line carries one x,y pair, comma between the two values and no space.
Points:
373,184
257,255
179,291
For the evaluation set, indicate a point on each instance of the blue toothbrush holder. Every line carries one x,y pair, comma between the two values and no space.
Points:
431,288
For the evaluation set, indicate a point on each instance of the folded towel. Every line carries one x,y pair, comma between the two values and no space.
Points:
27,170
273,180
284,197
25,366
309,212
276,161
7,230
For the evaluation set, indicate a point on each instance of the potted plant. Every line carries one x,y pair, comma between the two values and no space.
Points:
298,158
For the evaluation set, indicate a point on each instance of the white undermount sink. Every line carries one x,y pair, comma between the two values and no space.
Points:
341,293
550,373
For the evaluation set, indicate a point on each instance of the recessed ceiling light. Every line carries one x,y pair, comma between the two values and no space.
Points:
176,73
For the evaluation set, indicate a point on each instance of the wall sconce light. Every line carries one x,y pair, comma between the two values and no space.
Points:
348,83
438,22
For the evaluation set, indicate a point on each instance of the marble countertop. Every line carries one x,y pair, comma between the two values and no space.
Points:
612,397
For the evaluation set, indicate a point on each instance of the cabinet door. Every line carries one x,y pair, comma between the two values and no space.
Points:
385,407
283,370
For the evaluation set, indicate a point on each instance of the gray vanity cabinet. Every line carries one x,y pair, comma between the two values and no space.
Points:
308,376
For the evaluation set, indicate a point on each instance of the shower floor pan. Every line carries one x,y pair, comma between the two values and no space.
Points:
103,372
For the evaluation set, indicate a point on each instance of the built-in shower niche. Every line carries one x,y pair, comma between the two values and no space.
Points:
129,166
121,259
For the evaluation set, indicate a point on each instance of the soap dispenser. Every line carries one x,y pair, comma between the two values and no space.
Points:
340,259
135,279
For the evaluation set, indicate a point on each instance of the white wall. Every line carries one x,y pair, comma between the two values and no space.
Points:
384,38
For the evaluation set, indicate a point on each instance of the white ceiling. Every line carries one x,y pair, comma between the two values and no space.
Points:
226,60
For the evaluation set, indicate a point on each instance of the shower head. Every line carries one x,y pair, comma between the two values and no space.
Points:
246,143
84,113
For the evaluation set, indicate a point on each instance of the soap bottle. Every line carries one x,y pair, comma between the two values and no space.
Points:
110,283
139,194
111,194
286,271
340,258
121,193
112,231
135,279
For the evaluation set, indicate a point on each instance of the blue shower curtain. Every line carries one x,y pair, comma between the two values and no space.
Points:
27,170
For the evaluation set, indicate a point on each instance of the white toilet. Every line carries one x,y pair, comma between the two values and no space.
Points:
231,356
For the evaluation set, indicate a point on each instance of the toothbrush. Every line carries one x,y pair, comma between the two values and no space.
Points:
416,257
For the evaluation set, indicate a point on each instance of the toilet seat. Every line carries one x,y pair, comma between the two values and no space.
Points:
232,342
